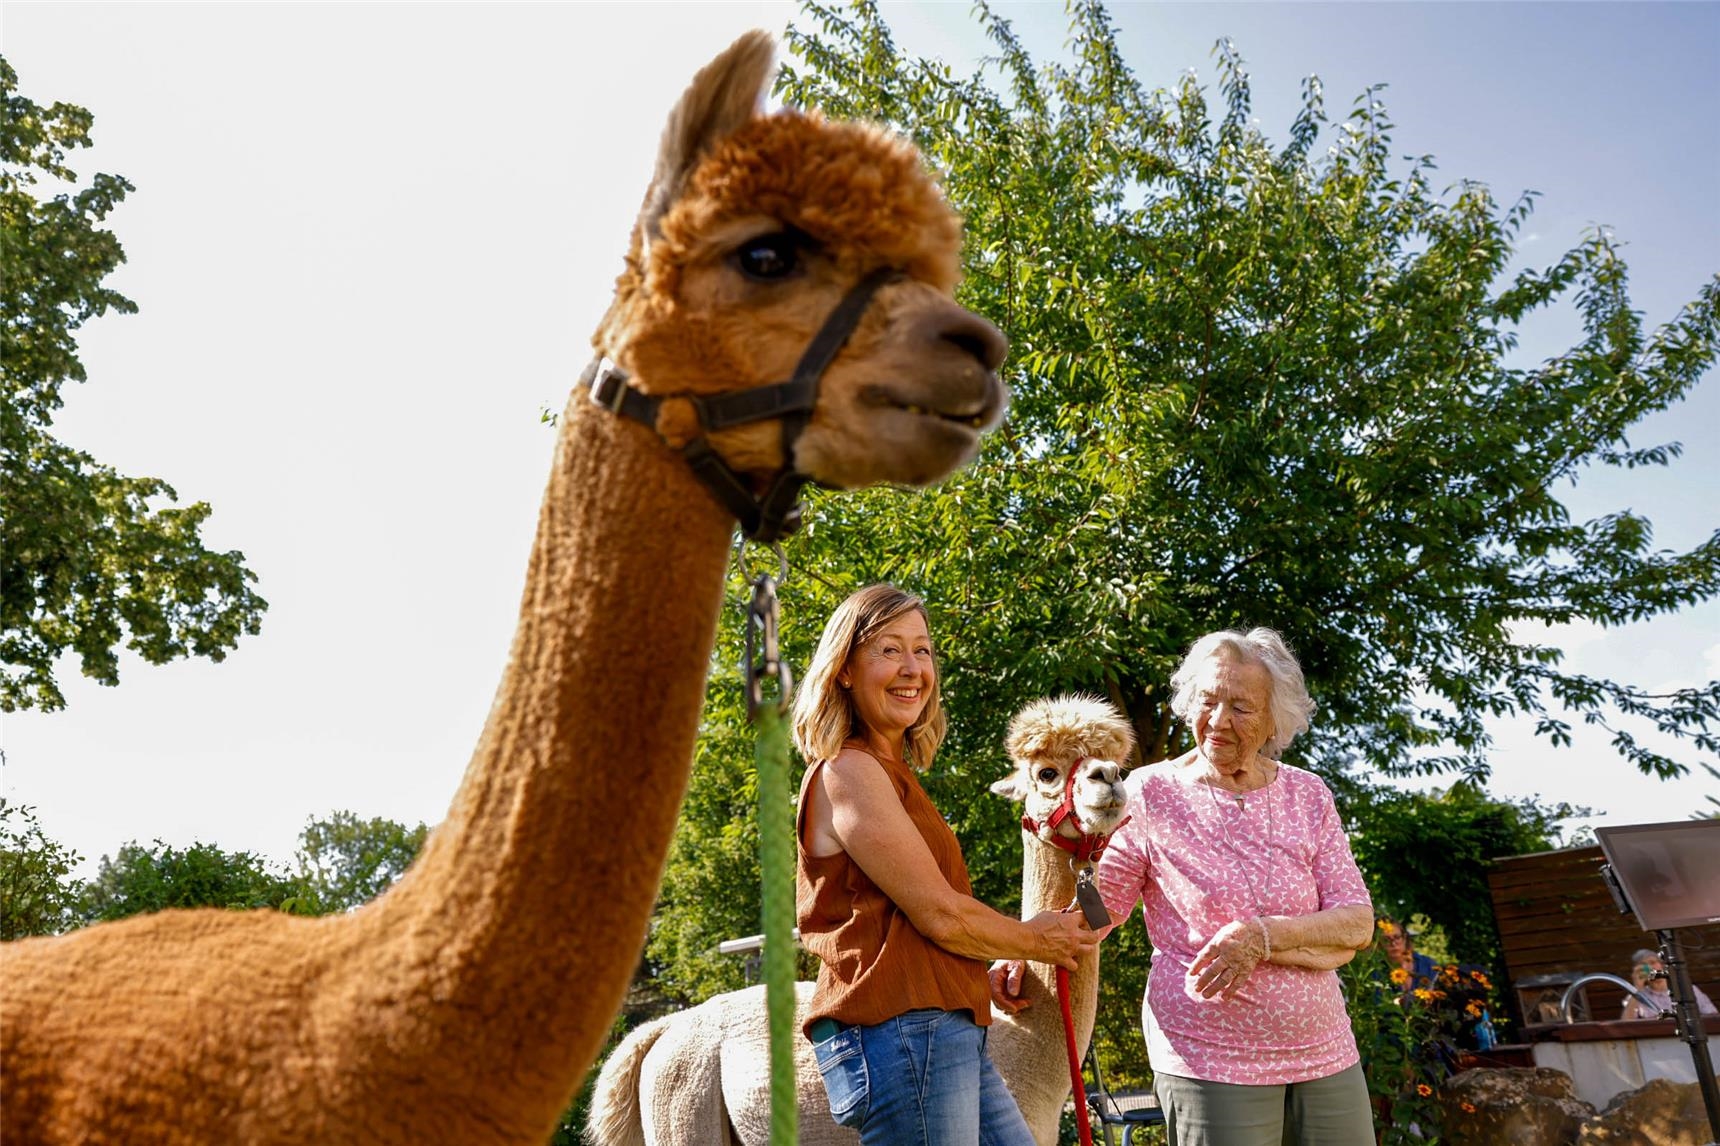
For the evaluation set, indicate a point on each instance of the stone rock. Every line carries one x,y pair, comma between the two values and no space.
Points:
1659,1113
1516,1106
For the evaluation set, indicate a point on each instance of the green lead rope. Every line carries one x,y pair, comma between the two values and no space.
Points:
776,850
776,858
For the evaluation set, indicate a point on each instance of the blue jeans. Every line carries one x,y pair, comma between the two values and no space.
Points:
922,1077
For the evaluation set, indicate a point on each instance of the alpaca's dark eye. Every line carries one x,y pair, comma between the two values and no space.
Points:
1047,775
769,257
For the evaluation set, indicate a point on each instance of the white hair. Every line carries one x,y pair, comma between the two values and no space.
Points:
1643,954
1290,703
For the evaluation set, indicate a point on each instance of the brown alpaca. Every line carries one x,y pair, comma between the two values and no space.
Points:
465,1005
700,1077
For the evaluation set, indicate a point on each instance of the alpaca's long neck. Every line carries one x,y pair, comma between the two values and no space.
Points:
516,933
1048,884
1029,1047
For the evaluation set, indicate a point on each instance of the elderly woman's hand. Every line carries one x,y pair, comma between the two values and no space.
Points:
1228,959
1006,976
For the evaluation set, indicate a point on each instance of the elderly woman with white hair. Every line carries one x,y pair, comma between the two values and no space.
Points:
1252,900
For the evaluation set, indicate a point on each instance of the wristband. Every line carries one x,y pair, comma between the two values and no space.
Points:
1265,937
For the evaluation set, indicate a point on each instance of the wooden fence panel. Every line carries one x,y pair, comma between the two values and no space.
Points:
1556,915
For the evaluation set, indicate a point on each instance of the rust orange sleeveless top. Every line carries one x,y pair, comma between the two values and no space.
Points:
876,965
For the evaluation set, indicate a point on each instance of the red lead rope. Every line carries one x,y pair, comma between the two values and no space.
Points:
1082,1125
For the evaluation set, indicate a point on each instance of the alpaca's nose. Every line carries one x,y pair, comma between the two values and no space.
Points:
979,337
950,322
1103,772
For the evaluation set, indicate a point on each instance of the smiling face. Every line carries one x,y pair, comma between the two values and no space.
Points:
889,678
1233,715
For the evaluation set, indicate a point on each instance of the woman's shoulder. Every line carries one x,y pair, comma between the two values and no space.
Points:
1157,778
1301,780
860,750
1305,792
853,754
856,758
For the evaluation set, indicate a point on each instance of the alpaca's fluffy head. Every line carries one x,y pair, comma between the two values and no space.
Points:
755,228
1051,736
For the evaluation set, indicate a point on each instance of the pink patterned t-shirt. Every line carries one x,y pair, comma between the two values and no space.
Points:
1196,861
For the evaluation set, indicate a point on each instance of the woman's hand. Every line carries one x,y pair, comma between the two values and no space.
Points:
1063,938
1005,977
1228,959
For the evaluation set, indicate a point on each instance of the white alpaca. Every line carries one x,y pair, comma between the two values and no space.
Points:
701,1076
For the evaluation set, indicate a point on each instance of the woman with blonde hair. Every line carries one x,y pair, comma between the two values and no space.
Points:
898,1020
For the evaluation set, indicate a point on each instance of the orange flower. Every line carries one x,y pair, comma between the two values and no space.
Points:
1438,994
1400,977
1423,1089
1423,994
1387,927
1473,1010
1468,1107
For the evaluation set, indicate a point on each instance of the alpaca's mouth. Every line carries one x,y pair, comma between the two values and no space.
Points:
977,415
973,421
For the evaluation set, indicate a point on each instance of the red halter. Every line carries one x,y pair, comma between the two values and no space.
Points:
1089,846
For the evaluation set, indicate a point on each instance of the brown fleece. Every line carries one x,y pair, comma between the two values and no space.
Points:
466,1003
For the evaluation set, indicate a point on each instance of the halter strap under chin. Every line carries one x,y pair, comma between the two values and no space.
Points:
775,513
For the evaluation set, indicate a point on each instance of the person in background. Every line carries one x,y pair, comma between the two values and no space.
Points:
1459,994
1419,970
1649,975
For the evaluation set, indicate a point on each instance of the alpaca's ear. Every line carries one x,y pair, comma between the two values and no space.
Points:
727,92
1010,787
1115,739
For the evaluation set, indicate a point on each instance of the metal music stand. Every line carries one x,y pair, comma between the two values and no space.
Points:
1665,874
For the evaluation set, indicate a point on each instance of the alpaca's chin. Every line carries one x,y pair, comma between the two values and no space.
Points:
1102,823
902,448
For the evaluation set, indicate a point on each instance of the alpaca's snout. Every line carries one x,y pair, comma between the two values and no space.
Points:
1103,772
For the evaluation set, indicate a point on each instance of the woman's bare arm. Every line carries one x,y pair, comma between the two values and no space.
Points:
867,819
1336,930
1320,940
1314,958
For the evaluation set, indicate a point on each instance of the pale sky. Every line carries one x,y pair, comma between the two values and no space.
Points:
370,242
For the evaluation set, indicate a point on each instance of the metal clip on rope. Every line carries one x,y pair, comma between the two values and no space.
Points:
763,647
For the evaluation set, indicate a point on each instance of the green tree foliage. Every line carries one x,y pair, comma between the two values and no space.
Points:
1255,381
37,894
1427,853
89,559
136,880
344,861
1398,1039
1262,382
710,888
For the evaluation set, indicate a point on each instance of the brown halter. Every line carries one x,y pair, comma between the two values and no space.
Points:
776,513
